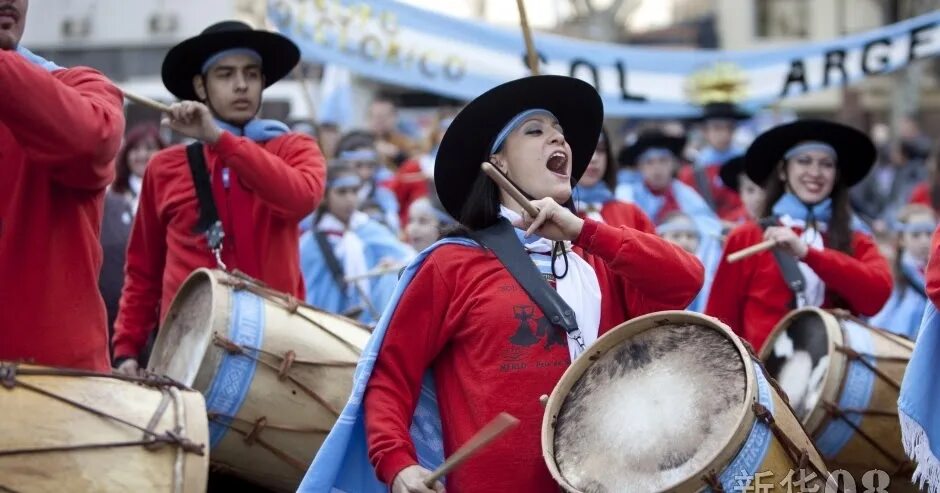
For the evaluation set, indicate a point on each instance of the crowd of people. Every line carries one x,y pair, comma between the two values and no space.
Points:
630,219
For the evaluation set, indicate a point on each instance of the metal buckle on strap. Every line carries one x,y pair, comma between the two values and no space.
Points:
576,336
214,236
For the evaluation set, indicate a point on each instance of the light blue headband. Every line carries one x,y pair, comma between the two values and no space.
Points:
514,124
677,226
918,227
359,155
212,60
654,152
345,181
811,145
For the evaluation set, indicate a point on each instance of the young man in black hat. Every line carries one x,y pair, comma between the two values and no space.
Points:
262,181
719,121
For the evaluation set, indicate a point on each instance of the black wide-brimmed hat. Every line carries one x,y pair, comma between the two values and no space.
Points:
855,152
722,111
730,172
469,138
279,55
651,140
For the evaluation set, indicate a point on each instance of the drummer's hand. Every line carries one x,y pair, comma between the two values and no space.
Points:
193,119
787,240
553,222
411,480
128,367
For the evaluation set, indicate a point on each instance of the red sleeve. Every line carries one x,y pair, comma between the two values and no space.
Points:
687,175
71,121
933,270
862,279
642,261
291,182
139,311
641,221
726,299
415,335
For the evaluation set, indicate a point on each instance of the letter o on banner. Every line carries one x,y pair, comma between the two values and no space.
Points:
370,47
454,68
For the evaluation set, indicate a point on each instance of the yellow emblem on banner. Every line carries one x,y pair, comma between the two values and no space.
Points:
722,82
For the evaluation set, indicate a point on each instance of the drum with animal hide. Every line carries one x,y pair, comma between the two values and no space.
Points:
275,372
843,377
673,401
78,431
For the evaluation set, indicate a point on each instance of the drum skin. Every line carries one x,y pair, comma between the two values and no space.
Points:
775,464
853,452
32,420
280,417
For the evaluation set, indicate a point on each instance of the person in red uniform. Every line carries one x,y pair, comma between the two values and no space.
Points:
464,317
928,191
594,195
807,168
718,122
264,180
60,130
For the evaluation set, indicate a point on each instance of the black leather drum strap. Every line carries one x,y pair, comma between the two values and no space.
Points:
209,223
788,267
502,240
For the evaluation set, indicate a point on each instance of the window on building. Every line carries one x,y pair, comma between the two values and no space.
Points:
783,18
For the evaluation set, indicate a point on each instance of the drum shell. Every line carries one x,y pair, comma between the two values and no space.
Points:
32,420
775,460
858,456
274,458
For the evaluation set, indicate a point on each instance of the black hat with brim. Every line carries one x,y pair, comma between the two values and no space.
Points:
654,140
279,55
722,111
730,172
855,152
468,139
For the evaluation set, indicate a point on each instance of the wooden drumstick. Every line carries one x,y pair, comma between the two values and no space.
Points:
145,101
499,425
509,188
380,271
751,250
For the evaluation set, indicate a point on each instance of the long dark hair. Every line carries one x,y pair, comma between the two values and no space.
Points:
839,232
135,136
610,173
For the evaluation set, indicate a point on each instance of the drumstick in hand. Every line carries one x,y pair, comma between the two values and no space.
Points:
509,188
145,101
499,425
751,250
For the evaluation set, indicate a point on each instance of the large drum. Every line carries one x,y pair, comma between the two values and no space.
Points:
275,373
673,401
843,377
67,430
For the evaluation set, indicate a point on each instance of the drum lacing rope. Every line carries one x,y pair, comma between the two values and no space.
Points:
175,437
236,349
253,437
862,358
711,479
838,413
798,455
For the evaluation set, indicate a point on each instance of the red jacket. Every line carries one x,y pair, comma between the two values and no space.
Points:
491,350
59,133
920,194
751,295
726,200
617,213
284,178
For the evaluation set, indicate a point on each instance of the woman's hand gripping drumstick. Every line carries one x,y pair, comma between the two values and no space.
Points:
416,479
774,237
544,217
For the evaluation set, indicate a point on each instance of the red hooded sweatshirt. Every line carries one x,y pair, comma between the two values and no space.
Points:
59,133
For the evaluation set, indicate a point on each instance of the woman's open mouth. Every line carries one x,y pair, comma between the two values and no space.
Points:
558,164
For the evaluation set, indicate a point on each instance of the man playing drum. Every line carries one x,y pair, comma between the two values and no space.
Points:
59,132
264,180
464,325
